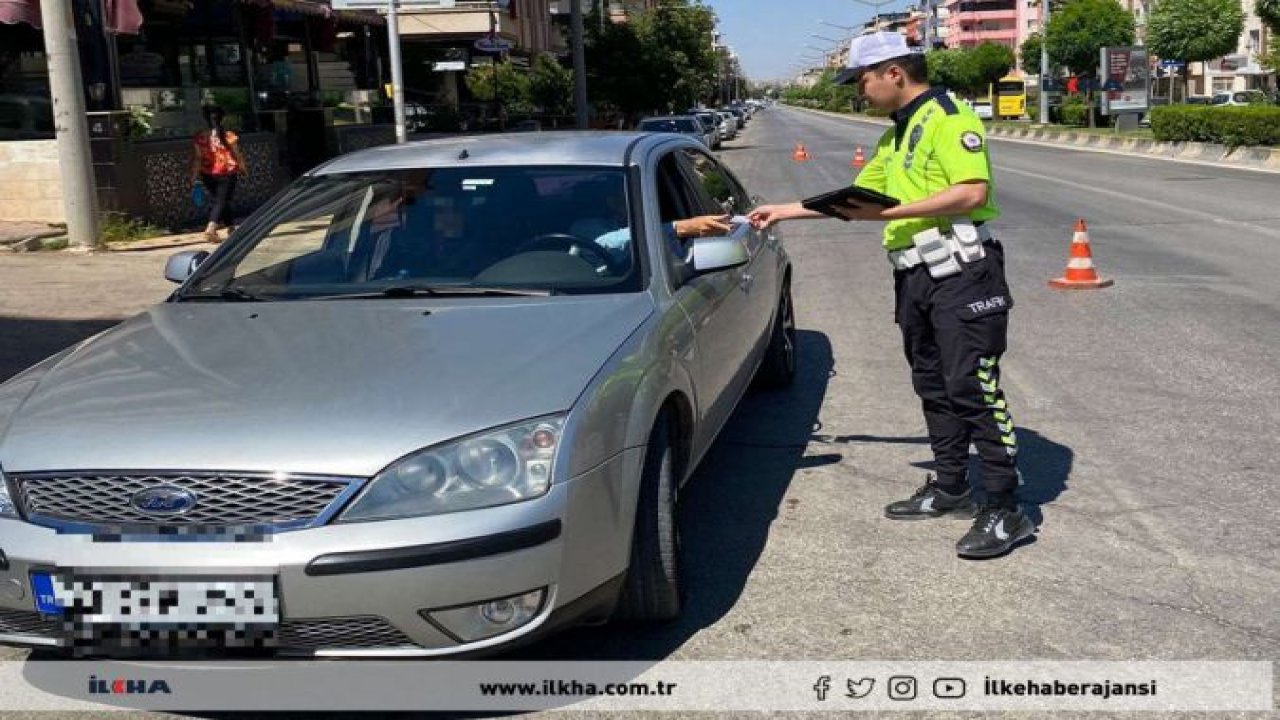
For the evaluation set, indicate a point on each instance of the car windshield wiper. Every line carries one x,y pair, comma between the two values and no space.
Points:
231,293
405,291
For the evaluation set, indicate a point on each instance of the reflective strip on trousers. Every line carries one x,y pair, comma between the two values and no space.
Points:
989,379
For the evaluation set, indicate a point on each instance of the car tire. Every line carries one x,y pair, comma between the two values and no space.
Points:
778,369
653,591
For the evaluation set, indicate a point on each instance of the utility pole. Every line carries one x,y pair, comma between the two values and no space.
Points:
79,194
397,70
579,65
1044,62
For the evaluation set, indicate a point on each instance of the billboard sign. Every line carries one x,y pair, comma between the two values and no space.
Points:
1126,80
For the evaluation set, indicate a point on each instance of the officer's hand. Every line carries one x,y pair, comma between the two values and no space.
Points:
764,216
861,212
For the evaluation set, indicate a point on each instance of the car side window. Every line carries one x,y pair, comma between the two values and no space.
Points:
720,194
677,200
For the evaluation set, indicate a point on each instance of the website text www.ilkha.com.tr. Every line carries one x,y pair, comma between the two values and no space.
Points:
573,688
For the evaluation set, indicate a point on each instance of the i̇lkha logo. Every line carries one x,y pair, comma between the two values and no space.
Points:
123,686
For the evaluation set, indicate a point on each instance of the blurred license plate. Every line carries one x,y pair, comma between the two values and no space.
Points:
135,601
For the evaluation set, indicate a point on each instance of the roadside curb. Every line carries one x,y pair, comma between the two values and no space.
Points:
1257,158
1260,159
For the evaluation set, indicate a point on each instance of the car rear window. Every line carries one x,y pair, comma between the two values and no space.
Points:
676,125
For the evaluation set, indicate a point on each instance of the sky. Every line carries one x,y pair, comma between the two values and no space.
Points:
770,35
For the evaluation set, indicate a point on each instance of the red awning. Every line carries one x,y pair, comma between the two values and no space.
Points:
122,17
320,9
20,11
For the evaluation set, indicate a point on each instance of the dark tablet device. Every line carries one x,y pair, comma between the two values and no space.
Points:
827,202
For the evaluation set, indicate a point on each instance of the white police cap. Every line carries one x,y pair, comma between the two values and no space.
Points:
873,49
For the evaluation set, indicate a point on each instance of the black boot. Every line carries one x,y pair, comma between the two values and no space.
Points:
930,501
995,531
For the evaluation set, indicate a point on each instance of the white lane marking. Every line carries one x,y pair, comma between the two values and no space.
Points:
1137,200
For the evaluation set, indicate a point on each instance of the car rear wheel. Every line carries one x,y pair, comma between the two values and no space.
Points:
653,590
778,369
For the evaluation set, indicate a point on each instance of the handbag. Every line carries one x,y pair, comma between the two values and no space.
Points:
198,195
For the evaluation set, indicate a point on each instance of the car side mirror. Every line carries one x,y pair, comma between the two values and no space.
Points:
713,254
180,265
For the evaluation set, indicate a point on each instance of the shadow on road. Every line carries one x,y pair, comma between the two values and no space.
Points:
1044,464
26,341
725,513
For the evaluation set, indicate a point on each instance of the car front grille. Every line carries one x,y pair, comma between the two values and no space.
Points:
340,633
343,633
104,500
27,622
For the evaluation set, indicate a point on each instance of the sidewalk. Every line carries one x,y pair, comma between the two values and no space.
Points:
24,236
13,232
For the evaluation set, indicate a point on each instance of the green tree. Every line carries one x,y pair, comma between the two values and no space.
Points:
512,85
551,85
988,62
1269,12
1194,30
1077,33
1029,54
661,60
949,68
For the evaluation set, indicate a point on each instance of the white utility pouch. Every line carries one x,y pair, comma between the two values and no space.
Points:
936,253
968,245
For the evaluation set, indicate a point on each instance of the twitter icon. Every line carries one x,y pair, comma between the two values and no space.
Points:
860,688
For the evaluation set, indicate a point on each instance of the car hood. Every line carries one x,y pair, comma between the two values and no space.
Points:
336,387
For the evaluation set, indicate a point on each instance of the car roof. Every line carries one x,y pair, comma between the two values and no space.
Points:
606,148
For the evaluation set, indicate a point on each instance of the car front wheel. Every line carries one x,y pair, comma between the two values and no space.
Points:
778,369
653,590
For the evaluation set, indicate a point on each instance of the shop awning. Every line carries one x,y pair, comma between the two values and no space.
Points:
320,9
122,16
13,12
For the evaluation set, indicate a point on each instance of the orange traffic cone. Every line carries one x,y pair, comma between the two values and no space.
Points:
800,154
859,158
1080,274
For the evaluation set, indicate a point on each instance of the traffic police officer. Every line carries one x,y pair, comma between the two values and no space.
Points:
949,285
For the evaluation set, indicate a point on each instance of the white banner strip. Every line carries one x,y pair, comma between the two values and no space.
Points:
837,686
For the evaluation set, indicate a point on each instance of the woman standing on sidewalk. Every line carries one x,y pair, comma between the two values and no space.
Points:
217,162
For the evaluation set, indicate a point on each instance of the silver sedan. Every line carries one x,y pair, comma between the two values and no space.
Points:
434,398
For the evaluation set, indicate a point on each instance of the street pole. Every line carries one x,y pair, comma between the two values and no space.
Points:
579,65
397,70
1044,62
79,194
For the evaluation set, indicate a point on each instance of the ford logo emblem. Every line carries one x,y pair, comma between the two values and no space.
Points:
163,500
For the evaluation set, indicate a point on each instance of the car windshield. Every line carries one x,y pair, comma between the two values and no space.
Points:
436,231
674,125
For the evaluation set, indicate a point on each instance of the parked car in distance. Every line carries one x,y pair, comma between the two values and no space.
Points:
711,122
1241,97
728,125
982,108
432,399
688,125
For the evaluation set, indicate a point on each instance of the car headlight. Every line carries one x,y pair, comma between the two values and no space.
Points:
7,508
502,466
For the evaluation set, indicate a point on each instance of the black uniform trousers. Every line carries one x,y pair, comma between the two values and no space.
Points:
953,333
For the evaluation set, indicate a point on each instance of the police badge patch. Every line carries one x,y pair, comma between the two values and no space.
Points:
971,141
